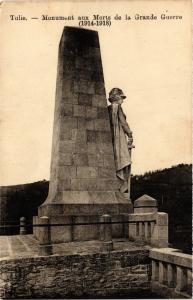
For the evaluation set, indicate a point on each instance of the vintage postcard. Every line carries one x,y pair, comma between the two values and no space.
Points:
96,157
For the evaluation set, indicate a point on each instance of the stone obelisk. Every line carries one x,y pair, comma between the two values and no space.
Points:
83,183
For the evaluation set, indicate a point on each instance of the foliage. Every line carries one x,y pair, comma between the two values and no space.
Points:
172,188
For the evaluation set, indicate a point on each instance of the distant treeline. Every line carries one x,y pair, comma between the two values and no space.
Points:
21,201
171,187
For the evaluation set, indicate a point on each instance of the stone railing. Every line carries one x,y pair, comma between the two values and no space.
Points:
151,228
147,224
171,273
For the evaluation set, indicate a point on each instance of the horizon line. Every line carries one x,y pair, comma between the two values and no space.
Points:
132,175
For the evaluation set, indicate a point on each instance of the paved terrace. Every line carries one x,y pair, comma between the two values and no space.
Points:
19,246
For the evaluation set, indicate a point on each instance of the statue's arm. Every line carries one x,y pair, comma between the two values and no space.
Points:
124,123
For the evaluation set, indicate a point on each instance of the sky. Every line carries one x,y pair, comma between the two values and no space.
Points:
149,60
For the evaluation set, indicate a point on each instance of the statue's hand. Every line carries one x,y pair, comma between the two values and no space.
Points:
130,135
130,141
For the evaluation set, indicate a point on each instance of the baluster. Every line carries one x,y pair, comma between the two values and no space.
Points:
181,279
155,270
171,275
140,230
146,231
162,273
189,281
151,228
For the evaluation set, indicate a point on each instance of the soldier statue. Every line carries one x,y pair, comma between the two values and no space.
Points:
122,139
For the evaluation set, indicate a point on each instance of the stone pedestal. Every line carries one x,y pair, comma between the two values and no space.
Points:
45,247
106,233
23,228
83,183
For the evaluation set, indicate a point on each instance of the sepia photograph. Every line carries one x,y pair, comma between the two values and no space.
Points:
96,149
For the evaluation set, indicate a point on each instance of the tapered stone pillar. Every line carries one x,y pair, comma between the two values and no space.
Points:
83,183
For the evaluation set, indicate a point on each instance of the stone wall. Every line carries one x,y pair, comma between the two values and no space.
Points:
86,275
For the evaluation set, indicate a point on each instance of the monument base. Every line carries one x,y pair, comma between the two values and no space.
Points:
62,214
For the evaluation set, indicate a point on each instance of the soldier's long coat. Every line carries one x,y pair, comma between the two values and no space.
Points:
119,129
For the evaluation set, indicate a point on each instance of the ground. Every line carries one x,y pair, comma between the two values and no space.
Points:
16,246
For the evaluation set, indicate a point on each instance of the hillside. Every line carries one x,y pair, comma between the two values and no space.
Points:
172,188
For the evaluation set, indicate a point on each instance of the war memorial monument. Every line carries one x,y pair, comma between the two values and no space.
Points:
89,240
83,182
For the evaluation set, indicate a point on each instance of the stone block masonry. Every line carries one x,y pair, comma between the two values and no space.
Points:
79,275
82,175
89,270
81,122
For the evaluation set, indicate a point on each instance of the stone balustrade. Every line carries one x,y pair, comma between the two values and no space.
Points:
147,224
171,272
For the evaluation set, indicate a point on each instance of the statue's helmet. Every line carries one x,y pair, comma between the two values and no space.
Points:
116,94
